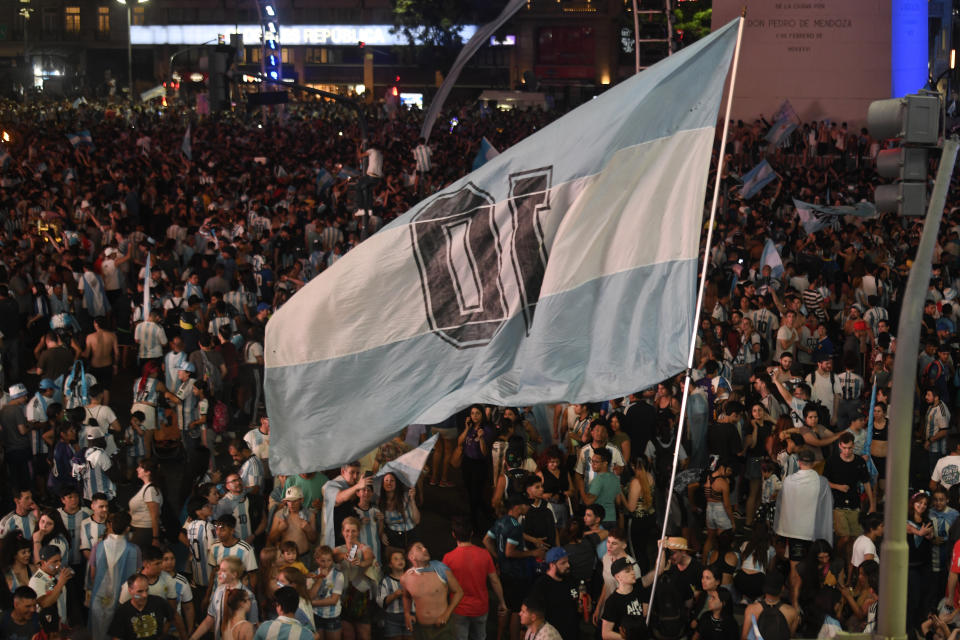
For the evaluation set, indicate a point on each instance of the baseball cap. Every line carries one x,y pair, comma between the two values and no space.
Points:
187,366
806,455
555,554
293,493
263,306
46,384
109,251
620,564
48,552
17,391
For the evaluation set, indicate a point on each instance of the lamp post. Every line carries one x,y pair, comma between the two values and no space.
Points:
129,5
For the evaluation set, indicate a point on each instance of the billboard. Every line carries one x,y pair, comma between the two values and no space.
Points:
830,58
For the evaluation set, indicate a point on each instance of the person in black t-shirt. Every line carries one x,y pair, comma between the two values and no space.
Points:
717,622
22,622
628,601
143,617
845,472
559,593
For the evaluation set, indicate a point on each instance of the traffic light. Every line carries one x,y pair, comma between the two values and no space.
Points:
915,120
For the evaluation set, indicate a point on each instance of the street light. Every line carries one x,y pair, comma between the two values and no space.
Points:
129,6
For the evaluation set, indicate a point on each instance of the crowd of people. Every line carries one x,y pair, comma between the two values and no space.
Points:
139,273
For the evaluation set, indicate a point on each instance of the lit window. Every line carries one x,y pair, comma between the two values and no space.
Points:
137,18
103,19
286,55
73,19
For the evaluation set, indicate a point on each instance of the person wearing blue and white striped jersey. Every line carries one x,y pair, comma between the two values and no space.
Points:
199,534
326,589
285,626
181,587
250,467
229,571
848,389
73,515
22,518
230,546
94,527
151,337
371,521
95,478
236,503
390,596
37,416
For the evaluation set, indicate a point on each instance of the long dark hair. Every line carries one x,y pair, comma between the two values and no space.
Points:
58,527
400,496
10,546
759,544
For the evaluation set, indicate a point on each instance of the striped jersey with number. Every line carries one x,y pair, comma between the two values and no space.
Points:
200,538
850,385
73,523
240,549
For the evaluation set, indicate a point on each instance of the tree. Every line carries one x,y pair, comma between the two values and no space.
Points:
693,19
431,27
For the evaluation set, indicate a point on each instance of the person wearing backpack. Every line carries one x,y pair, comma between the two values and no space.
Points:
769,617
209,365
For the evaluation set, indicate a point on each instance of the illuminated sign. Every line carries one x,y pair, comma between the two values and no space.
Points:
506,41
291,35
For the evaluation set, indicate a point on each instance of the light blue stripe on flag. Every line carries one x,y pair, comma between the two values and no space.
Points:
80,138
498,288
779,132
485,153
756,179
324,180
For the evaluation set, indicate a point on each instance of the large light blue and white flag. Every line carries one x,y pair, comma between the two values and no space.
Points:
548,274
771,258
324,180
485,153
186,147
779,133
80,138
756,179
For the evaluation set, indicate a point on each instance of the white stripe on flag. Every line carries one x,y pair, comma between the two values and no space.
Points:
408,467
771,258
549,236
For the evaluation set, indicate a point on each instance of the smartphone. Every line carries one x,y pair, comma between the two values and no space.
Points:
353,553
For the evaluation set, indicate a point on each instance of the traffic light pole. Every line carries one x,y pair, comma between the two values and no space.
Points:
891,623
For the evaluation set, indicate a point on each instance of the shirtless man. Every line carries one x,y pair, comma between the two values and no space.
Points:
294,522
103,352
431,587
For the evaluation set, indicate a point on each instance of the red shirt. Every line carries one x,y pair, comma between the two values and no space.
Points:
955,568
471,565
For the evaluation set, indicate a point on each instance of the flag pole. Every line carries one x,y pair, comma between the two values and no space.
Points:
698,309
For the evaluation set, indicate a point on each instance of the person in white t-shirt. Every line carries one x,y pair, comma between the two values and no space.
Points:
946,472
865,546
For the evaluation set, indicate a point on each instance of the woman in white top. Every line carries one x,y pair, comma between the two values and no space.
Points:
235,625
145,391
145,507
756,555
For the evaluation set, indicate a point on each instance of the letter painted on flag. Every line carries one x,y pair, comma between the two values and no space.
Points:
548,274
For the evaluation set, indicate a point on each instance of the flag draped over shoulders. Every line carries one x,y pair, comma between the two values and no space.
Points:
562,269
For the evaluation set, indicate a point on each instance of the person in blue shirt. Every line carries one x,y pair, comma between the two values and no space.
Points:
505,542
284,627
